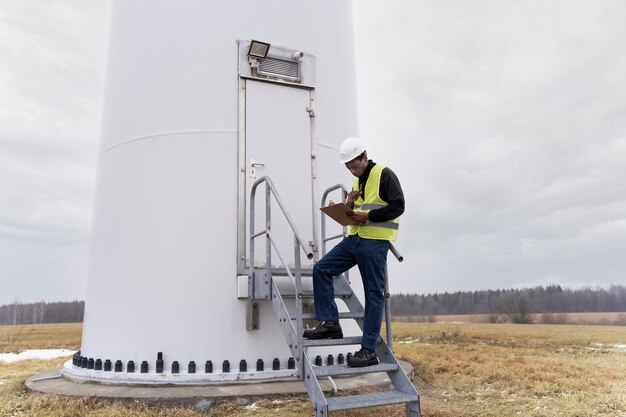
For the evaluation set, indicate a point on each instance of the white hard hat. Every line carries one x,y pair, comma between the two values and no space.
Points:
351,148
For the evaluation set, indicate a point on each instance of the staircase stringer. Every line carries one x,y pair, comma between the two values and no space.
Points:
399,378
294,341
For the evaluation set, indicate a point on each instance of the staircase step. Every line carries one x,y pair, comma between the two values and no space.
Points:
352,340
342,370
290,293
345,315
281,272
370,400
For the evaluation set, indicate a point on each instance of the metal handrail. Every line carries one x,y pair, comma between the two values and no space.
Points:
272,188
284,264
395,252
296,281
323,224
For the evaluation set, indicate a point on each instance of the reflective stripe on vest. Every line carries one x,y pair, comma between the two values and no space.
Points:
373,230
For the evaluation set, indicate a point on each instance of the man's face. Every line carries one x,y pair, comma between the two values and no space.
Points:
358,165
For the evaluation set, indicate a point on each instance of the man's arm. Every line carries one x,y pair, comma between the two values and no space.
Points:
391,192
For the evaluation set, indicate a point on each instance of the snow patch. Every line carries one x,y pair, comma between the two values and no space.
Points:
613,348
408,341
35,354
251,407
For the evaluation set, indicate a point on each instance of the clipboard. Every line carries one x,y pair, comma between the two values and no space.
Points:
339,213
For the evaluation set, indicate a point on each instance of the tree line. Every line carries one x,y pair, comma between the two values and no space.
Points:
550,299
42,312
516,304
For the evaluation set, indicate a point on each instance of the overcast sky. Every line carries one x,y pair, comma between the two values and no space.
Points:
504,120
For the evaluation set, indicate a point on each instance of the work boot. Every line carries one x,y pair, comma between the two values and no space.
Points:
325,330
364,357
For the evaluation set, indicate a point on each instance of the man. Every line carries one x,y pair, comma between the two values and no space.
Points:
377,202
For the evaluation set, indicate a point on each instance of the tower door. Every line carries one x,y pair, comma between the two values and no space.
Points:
278,145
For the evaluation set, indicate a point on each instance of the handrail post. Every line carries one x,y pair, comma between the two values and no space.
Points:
268,229
299,326
251,283
388,312
400,258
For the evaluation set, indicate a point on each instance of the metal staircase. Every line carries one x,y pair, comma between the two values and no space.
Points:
263,286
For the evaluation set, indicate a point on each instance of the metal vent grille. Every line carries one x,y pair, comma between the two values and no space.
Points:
282,68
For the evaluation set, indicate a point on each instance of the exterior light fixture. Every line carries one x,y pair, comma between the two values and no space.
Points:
258,49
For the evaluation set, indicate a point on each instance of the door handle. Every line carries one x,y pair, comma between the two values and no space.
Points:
253,165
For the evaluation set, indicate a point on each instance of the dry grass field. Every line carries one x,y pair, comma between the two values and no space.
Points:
41,336
604,319
461,370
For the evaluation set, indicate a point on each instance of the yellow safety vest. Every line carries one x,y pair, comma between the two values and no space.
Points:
373,230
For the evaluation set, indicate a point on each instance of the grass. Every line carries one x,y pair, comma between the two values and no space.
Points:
507,370
469,369
605,319
40,336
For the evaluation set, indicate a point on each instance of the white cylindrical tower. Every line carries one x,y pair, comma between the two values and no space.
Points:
191,120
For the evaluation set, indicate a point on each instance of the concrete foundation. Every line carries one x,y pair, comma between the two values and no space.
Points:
199,397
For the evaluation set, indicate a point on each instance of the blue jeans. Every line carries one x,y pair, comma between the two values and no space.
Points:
371,257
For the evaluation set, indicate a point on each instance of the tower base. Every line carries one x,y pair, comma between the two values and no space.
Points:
193,396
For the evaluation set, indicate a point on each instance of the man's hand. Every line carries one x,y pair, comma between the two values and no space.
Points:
359,217
352,197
